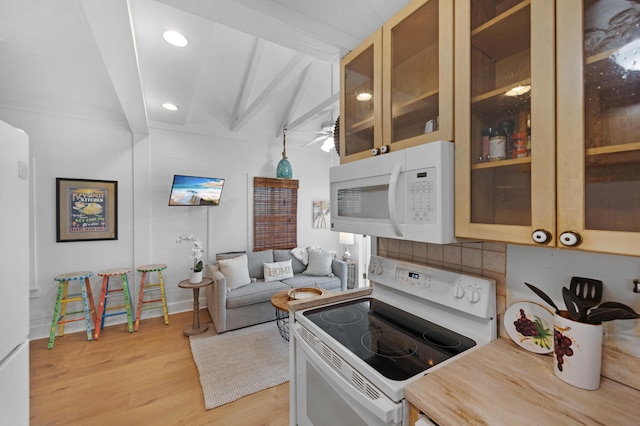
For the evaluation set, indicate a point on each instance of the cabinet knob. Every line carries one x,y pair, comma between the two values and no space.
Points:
375,151
384,149
570,238
541,236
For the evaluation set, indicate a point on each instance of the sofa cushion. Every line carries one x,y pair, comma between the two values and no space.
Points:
276,271
256,292
327,283
282,255
256,260
319,262
235,271
301,254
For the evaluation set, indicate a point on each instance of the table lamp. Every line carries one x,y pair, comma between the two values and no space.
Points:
347,239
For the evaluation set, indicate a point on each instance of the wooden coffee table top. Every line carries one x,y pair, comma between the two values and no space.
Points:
281,299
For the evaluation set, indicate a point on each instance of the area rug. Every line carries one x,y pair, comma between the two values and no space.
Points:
238,363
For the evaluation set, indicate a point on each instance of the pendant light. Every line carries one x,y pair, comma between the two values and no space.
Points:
283,171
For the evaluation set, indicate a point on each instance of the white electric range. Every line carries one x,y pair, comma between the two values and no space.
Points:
351,360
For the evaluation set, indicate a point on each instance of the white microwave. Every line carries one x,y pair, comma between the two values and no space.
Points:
407,194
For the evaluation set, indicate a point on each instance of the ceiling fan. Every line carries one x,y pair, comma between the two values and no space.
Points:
324,135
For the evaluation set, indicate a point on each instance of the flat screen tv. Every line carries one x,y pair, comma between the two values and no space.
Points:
195,191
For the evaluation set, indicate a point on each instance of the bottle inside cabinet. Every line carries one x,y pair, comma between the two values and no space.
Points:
611,111
415,73
501,105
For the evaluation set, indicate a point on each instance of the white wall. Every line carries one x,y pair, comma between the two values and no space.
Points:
551,269
144,166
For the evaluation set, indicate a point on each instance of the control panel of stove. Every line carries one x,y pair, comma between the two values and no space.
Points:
471,294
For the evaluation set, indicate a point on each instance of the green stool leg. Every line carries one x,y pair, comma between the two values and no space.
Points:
127,301
56,312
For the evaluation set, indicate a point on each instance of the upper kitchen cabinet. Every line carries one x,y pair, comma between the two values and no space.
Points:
598,50
505,119
412,98
575,180
361,100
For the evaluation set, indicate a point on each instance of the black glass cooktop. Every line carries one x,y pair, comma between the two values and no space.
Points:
395,343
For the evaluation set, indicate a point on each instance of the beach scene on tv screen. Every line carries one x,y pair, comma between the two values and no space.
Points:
196,191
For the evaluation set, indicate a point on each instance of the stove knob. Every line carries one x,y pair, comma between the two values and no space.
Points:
378,269
458,291
473,296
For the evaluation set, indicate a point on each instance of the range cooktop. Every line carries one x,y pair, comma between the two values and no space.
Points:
395,343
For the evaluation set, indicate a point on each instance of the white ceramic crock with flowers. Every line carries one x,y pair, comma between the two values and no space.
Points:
577,351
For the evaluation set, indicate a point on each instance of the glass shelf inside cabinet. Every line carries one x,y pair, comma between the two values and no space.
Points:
415,73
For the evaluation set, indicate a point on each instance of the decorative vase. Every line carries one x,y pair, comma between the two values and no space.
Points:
577,351
195,277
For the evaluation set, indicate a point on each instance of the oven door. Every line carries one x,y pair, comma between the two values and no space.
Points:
324,397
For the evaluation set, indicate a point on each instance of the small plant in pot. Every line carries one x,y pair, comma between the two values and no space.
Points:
196,255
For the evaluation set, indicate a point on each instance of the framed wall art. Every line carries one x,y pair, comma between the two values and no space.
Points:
86,210
321,214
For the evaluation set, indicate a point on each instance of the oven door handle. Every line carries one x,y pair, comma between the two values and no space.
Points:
383,407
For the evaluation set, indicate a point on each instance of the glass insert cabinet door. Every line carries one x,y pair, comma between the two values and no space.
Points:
418,74
599,125
361,99
505,119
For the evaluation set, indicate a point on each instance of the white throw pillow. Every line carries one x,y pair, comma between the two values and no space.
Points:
278,270
319,262
301,254
236,271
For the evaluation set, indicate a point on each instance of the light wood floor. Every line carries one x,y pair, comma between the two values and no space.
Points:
142,378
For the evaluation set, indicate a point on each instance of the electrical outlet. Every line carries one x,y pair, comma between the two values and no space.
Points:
636,285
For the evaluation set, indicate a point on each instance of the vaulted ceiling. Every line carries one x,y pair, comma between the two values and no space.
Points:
251,66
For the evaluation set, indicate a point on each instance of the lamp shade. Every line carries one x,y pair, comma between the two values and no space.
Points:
346,238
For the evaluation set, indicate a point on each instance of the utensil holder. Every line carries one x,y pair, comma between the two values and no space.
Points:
577,351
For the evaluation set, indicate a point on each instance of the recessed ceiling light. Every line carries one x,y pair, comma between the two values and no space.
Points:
175,38
518,90
364,96
170,106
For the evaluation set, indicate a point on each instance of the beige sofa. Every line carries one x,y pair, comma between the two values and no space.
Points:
232,306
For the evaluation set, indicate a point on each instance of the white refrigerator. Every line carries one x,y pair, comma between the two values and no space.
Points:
14,275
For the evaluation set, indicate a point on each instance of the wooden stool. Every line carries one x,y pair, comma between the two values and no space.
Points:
60,310
106,293
158,267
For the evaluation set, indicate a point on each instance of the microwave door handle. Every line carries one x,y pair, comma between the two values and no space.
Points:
393,189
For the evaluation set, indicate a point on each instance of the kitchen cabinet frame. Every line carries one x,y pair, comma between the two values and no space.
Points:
444,93
374,41
572,148
542,161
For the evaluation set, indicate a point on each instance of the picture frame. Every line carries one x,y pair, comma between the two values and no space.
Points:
321,214
86,210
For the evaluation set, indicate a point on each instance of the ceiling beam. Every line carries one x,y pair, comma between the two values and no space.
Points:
291,68
110,23
295,98
315,111
250,73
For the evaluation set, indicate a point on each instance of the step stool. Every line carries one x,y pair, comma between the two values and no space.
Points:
85,296
157,267
103,310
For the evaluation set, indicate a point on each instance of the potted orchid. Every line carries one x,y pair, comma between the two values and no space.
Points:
196,255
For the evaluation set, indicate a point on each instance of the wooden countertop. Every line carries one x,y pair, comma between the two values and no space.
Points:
503,384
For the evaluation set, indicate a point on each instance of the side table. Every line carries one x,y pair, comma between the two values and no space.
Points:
197,328
280,301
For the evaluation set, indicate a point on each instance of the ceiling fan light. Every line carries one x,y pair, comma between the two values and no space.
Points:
169,106
327,144
518,90
175,38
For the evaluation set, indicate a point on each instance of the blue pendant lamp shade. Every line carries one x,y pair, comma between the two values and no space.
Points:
283,171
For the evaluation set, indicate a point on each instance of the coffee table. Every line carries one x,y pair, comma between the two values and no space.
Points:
280,301
197,328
